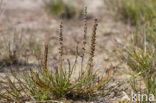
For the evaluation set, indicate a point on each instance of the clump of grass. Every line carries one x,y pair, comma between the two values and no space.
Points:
61,9
135,12
11,59
58,82
15,52
139,53
12,53
140,57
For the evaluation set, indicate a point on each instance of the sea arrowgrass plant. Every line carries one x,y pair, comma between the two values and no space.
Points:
58,82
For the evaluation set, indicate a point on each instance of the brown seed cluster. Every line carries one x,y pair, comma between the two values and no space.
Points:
93,44
84,37
61,43
45,59
61,40
85,30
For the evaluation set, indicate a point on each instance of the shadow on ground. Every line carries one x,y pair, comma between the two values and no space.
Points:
16,66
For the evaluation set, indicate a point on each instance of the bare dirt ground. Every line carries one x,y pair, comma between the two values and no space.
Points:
29,19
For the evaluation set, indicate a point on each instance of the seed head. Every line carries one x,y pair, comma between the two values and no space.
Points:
85,30
61,40
61,44
45,60
93,44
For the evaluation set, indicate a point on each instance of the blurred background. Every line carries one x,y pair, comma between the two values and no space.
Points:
27,24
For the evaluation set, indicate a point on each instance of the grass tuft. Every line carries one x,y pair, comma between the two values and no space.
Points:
140,57
59,81
61,9
135,12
